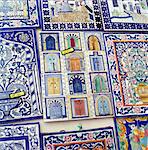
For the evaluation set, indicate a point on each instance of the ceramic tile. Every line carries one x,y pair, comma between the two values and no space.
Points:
127,62
132,133
19,88
20,137
18,13
101,139
128,15
71,15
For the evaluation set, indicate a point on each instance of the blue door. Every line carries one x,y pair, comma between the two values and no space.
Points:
50,43
77,86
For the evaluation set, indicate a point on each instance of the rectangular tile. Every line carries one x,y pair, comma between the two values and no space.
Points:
20,136
127,15
101,139
19,85
71,15
19,13
127,62
132,133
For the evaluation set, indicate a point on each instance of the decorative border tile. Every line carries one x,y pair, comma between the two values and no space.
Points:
102,138
20,136
23,17
49,24
121,25
19,85
126,54
76,68
132,133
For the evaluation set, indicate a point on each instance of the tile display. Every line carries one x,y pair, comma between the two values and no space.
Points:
125,15
71,15
132,133
75,85
19,13
95,139
127,62
19,88
20,137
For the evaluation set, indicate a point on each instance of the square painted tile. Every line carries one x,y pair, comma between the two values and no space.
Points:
19,13
71,15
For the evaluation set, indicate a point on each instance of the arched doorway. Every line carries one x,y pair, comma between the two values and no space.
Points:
75,63
72,42
55,110
50,43
77,85
103,106
93,43
100,84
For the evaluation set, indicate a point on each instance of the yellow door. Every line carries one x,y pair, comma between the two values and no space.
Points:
53,85
75,64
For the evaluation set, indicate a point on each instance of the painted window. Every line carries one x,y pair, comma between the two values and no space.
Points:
50,43
93,43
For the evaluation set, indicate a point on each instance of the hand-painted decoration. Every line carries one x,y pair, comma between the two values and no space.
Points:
20,137
95,139
19,91
127,60
79,107
71,15
75,85
125,14
18,13
132,133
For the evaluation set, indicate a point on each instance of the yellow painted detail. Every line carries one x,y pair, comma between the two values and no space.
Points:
67,51
15,95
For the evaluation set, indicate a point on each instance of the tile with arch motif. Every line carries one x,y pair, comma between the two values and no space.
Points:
75,85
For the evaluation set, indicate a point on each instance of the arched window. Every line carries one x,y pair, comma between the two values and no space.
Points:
55,110
77,86
93,43
50,43
100,84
